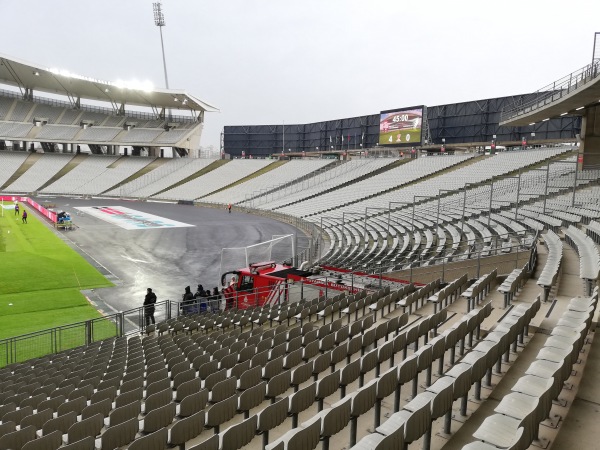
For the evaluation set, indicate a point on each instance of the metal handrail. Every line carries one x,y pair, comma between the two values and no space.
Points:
553,91
54,340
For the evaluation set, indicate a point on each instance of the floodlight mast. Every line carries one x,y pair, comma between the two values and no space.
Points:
159,21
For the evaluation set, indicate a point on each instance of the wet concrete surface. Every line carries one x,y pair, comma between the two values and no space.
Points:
166,259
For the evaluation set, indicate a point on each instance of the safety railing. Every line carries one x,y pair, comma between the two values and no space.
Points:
552,92
45,342
476,262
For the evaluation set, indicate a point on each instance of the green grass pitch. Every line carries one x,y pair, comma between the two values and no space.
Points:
41,278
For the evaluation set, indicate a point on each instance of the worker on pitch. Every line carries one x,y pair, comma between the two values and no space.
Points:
24,219
16,209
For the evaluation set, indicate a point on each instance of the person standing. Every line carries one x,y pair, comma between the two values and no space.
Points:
24,219
16,209
149,302
229,208
187,301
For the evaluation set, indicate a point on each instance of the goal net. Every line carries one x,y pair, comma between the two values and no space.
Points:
279,249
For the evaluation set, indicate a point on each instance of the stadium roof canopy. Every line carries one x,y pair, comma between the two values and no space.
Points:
33,77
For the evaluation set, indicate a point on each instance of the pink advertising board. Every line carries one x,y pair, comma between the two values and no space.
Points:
51,215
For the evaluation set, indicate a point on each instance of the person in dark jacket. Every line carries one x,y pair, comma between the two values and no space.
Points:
187,301
199,291
149,302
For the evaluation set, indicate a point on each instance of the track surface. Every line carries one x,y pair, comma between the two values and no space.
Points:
166,259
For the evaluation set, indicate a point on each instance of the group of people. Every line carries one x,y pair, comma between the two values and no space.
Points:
18,212
202,300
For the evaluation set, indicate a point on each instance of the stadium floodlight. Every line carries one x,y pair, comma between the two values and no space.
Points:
159,17
159,21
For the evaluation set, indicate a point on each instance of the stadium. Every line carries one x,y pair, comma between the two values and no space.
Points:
422,277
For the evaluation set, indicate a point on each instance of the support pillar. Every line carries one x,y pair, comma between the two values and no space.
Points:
589,150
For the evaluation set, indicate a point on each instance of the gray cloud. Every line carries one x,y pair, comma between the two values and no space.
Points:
265,61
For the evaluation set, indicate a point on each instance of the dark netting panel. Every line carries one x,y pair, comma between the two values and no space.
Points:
474,121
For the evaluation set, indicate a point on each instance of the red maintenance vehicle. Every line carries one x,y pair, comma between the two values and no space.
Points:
272,283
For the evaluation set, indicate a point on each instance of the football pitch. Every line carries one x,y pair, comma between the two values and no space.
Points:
41,278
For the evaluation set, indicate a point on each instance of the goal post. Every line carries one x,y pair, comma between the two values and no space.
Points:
279,249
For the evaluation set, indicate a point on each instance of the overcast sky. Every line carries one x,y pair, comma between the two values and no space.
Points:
270,61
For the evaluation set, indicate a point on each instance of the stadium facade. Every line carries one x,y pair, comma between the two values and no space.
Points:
472,122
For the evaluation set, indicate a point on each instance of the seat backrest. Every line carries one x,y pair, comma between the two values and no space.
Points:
7,427
239,435
153,441
280,383
369,361
61,423
49,442
260,359
306,438
87,427
159,418
339,353
102,407
407,369
199,359
424,357
350,373
303,399
121,434
321,363
214,378
33,401
108,393
364,399
273,367
417,423
336,418
273,415
387,383
450,338
252,397
207,369
221,412
17,415
128,397
301,373
442,402
438,347
193,403
355,344
158,399
327,385
293,358
385,351
17,439
223,389
124,413
185,429
85,391
211,443
187,388
38,419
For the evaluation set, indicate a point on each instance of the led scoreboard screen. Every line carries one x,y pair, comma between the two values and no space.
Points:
401,126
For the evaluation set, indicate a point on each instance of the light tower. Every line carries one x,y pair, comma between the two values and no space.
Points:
159,21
